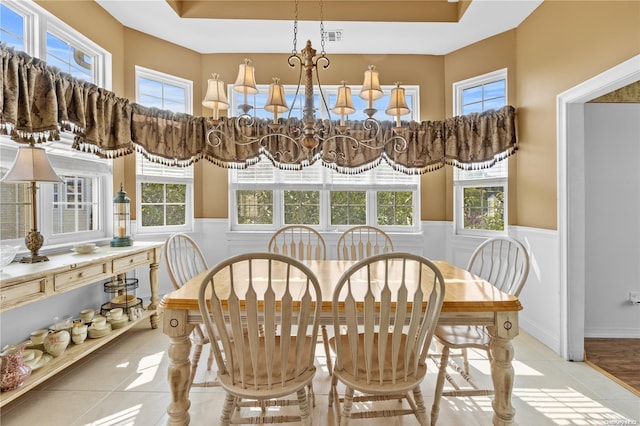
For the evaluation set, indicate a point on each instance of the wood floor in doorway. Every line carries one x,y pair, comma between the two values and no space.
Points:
617,358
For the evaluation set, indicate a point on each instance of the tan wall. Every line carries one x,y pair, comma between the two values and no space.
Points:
488,55
559,46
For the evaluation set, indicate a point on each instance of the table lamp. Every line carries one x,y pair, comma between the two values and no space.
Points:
31,166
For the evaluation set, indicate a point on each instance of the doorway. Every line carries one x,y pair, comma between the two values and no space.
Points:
571,198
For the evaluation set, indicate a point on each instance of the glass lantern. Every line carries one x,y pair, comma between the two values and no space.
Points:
121,220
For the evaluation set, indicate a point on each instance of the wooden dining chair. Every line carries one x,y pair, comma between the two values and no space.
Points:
363,241
298,241
303,243
260,365
185,260
504,262
390,304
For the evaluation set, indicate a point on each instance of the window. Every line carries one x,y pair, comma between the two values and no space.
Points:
263,197
480,196
26,26
76,209
73,210
165,194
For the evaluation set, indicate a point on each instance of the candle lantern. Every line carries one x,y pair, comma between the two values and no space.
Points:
121,220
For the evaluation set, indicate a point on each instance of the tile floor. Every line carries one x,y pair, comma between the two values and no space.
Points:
125,383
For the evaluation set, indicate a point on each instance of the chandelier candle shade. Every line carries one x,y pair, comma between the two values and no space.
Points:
32,165
215,98
308,134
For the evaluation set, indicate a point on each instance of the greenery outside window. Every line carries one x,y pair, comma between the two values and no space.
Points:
266,198
348,207
480,196
165,194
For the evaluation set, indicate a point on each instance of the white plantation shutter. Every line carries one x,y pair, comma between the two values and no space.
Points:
382,176
146,169
498,170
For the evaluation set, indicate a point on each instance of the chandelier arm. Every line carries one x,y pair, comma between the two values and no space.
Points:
400,143
324,99
293,58
281,156
215,136
217,139
332,156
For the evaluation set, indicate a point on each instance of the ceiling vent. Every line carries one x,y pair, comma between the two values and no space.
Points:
333,35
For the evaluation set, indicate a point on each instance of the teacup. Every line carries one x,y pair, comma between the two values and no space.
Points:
79,334
116,313
37,337
87,314
99,322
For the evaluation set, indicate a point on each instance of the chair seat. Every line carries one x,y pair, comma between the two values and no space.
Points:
259,377
389,378
463,336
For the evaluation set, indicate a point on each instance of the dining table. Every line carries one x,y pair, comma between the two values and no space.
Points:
469,300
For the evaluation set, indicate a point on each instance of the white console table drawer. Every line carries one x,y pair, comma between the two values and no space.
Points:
79,276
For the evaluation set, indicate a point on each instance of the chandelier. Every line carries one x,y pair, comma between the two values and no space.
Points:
307,133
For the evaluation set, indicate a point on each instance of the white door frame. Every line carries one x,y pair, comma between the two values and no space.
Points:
571,198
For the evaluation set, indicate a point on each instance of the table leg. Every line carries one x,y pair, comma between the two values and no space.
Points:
501,354
175,326
153,282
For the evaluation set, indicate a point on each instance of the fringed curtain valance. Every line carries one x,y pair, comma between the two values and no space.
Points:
37,101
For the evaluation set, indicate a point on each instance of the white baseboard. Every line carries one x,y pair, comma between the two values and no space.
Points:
612,333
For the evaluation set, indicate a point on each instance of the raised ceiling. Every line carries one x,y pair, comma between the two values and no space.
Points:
434,27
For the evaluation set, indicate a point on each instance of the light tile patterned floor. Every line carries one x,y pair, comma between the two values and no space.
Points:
125,383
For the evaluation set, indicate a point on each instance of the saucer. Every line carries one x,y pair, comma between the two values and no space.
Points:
95,333
31,356
118,323
43,359
84,251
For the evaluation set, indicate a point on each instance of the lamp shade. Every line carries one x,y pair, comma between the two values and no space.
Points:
371,86
246,81
344,103
216,99
31,165
398,102
276,101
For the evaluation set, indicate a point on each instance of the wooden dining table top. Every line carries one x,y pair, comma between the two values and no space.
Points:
464,292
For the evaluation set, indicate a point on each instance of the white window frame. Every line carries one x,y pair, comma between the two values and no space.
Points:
325,183
459,180
165,174
64,159
324,186
38,22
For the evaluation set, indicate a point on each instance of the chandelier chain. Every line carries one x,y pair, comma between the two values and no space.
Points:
295,29
322,52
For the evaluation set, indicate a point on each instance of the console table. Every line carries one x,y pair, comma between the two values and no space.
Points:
22,284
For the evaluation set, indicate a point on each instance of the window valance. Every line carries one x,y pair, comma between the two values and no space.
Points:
38,101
